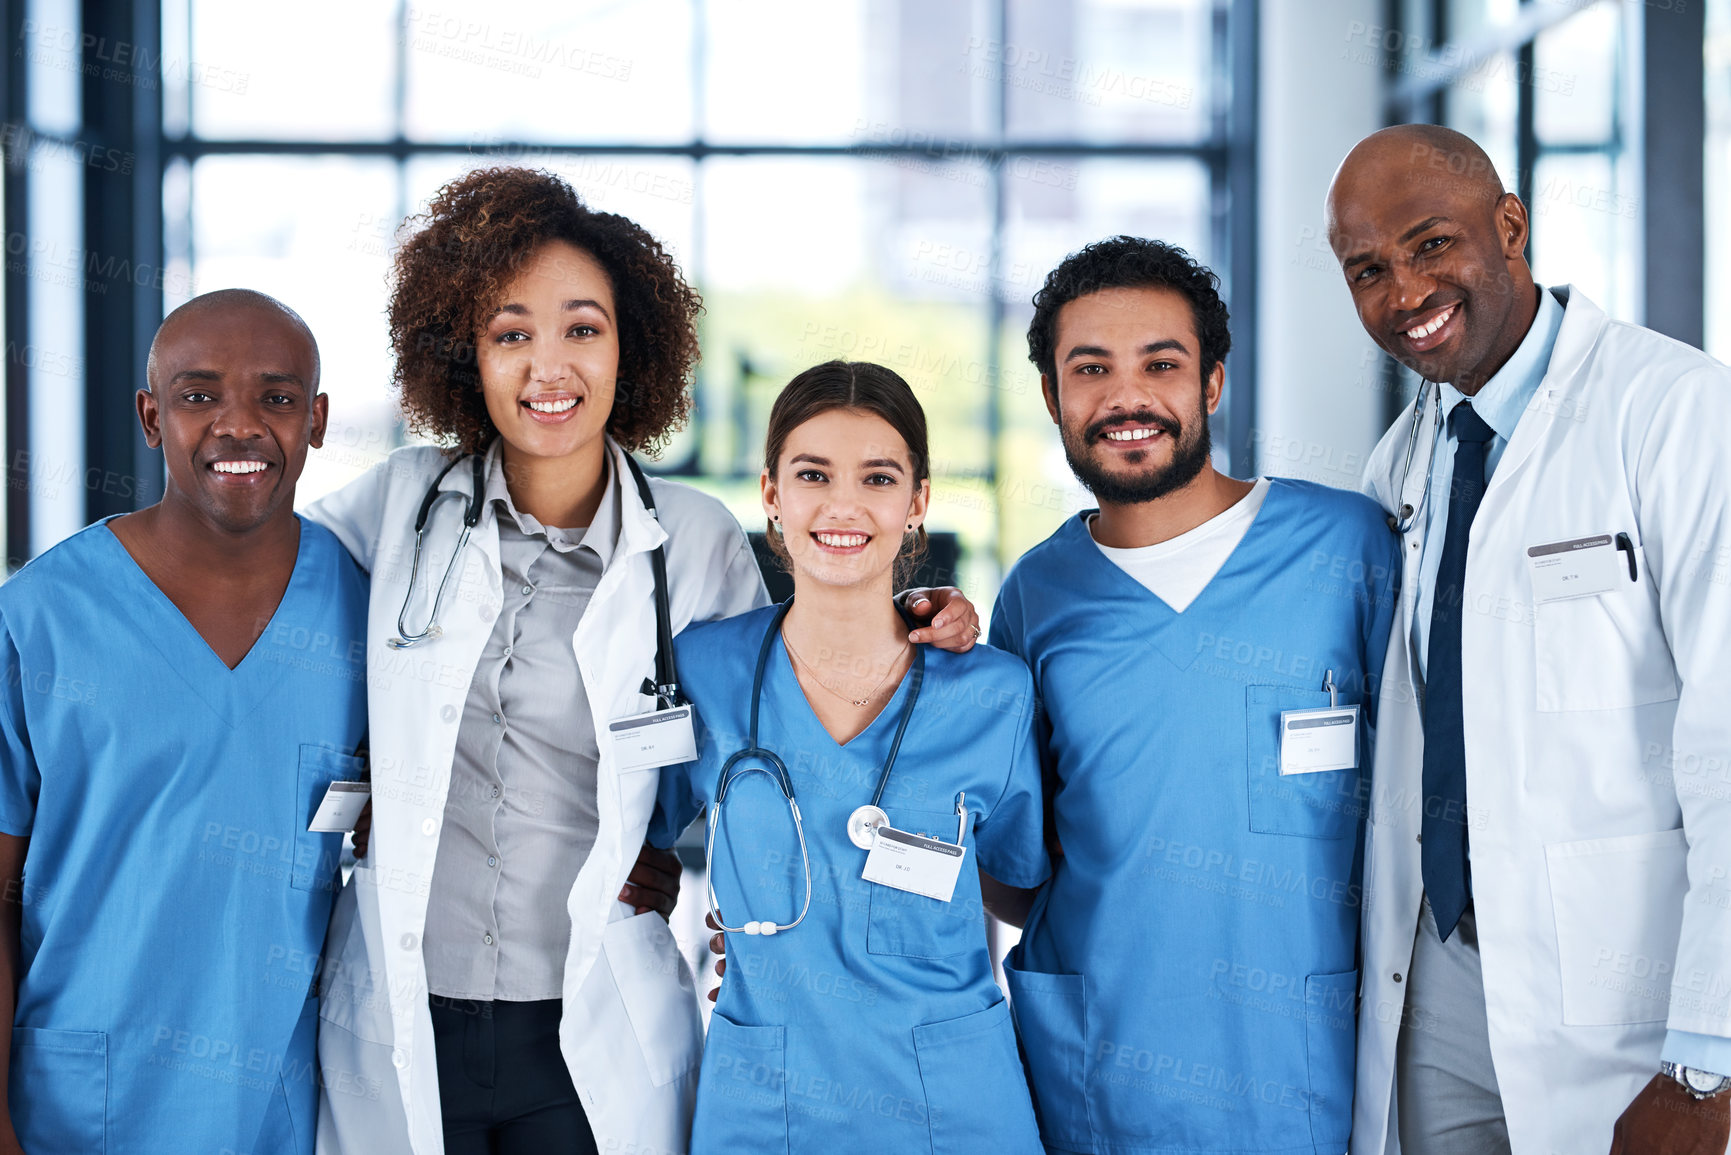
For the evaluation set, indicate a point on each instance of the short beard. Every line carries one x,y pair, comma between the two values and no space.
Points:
1189,454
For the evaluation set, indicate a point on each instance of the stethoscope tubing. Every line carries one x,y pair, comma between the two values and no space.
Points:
753,751
1409,514
405,639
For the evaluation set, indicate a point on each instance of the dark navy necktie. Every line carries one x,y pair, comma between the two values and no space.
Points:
1444,856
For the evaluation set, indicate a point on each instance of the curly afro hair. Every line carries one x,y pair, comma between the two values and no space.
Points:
1129,263
450,275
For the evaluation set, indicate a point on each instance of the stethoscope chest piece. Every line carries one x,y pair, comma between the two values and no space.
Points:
863,823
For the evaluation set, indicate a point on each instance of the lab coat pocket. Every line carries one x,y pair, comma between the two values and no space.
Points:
1051,1016
914,926
659,994
742,1093
1606,652
59,1090
1322,804
1330,1031
976,1092
317,854
1619,912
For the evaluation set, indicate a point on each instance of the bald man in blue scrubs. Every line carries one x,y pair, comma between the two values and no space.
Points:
181,686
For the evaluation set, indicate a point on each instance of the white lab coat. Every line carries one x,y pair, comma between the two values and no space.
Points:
631,1032
1598,744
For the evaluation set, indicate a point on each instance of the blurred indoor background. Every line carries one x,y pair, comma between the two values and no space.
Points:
874,179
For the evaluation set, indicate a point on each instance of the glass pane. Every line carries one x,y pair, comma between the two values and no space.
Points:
306,231
1415,17
61,272
1466,19
1577,77
1167,200
813,259
1119,70
765,81
49,41
1484,105
1586,228
545,70
1719,178
326,72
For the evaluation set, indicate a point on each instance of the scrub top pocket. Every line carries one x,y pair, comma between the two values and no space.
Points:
1051,1017
742,1092
1322,804
976,1092
59,1089
316,854
914,926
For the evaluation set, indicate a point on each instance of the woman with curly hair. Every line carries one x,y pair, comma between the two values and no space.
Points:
488,985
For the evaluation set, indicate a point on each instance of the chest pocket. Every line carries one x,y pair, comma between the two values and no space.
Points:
317,854
914,926
1323,804
1604,652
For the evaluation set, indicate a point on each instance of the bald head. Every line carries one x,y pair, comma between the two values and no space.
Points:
1427,155
223,308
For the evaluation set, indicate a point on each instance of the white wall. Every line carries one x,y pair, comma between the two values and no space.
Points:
1319,388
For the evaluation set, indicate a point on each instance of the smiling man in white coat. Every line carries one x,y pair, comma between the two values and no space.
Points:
1547,910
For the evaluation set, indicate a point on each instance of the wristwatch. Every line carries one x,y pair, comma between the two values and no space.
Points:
1700,1084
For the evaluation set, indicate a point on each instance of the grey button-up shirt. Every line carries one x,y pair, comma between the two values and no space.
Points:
521,814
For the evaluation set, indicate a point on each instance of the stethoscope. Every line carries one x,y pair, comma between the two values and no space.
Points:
862,824
664,686
471,517
1409,514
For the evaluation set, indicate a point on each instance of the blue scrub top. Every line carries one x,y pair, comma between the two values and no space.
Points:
874,1025
174,903
1187,981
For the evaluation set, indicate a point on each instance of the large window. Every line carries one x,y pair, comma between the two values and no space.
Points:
1547,89
872,179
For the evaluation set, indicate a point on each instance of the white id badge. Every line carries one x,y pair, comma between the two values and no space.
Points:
341,806
658,738
1574,569
1315,740
914,863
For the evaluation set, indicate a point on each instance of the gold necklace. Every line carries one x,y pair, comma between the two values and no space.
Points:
854,702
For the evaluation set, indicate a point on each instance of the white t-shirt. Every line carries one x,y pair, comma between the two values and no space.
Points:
1175,571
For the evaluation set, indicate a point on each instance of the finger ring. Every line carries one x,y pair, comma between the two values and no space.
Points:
976,633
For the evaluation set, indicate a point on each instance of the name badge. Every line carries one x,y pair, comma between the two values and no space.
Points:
914,863
658,738
340,807
1574,569
1315,740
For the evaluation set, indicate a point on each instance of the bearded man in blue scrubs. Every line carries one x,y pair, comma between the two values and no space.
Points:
182,684
1205,652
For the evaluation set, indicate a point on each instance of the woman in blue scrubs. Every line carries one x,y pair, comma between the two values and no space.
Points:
857,1015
